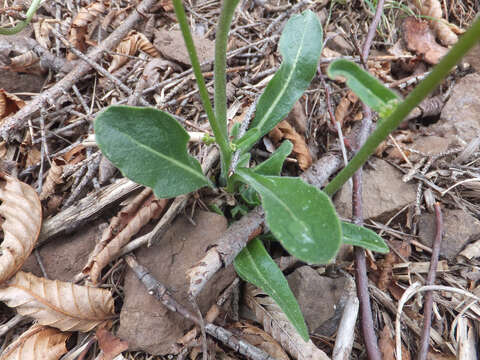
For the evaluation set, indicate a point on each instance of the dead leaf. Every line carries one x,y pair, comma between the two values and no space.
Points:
75,155
284,130
63,305
386,344
432,9
125,225
419,38
27,62
9,103
110,344
78,30
38,342
54,178
276,324
259,338
22,212
133,42
42,33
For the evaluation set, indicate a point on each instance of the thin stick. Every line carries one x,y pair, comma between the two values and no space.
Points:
432,272
161,293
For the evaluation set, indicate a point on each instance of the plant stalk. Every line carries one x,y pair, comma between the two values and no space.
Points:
21,25
439,72
220,71
220,135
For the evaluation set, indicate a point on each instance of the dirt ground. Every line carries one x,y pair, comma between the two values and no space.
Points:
423,184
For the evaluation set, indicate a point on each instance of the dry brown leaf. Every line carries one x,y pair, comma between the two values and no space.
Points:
78,30
123,227
133,42
22,212
63,305
37,343
26,63
110,344
433,10
259,338
42,33
54,178
276,324
284,130
75,155
386,346
9,103
419,38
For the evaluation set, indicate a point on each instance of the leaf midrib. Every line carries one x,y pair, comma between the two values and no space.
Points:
169,159
272,194
289,78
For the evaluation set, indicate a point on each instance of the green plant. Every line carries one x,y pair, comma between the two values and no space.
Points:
22,24
150,147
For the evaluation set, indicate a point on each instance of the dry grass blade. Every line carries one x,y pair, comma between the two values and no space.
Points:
133,42
285,131
22,212
63,305
276,324
38,342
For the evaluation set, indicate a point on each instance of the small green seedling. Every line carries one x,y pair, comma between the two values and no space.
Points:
150,147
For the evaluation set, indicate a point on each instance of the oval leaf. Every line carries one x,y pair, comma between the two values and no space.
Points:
299,215
371,91
360,236
62,305
255,265
38,342
300,46
274,164
149,147
22,212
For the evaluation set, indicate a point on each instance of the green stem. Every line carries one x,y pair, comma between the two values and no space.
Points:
439,72
21,25
220,67
220,136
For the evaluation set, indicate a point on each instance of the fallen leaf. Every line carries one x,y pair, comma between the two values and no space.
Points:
9,103
78,30
132,43
284,130
126,224
276,324
27,62
432,9
54,178
110,344
261,339
63,305
22,212
386,345
38,342
419,38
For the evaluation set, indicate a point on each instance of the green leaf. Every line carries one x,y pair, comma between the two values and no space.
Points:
363,237
371,91
300,46
300,216
274,164
149,147
255,265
